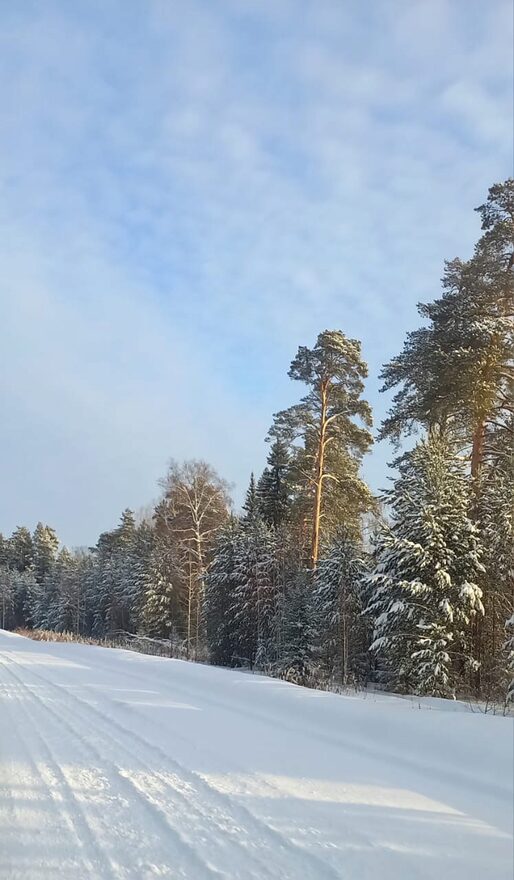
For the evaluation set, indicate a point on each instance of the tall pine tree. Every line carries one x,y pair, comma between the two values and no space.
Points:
327,434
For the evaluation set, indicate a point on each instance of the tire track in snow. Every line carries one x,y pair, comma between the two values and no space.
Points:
15,835
186,789
180,861
58,791
133,788
360,842
358,838
183,791
275,855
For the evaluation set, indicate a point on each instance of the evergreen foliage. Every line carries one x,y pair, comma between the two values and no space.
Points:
251,506
424,585
254,581
273,488
495,516
221,627
459,368
341,631
327,434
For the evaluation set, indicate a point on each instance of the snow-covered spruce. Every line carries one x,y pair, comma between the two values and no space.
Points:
495,511
254,596
424,591
341,631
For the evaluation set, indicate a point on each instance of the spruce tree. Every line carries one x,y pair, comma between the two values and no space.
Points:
254,593
4,551
221,583
141,557
123,596
251,507
67,611
21,549
273,488
495,516
7,597
15,586
341,632
296,661
21,559
103,583
159,617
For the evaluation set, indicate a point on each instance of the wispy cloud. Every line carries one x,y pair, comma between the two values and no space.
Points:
189,191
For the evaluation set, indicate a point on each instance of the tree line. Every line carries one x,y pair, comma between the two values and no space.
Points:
317,579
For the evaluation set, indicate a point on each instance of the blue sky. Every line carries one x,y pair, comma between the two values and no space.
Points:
190,190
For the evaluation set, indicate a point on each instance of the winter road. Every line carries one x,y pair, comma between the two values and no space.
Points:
117,765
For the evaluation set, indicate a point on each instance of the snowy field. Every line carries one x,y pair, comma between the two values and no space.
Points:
118,765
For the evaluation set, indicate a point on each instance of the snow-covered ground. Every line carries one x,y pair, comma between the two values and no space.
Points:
118,765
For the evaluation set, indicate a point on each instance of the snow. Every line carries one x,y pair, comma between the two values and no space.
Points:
119,765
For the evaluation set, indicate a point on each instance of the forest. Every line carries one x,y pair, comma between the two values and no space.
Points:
317,579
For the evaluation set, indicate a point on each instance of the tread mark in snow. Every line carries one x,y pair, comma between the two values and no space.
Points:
197,793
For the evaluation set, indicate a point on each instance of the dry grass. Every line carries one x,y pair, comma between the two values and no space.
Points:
46,635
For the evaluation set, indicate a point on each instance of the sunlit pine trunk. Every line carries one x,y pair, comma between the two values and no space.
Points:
320,462
477,449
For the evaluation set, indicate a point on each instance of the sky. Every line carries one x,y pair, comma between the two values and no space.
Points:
191,189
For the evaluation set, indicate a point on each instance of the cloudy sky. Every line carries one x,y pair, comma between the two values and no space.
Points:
192,188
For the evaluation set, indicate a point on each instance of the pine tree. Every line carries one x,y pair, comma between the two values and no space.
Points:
331,425
45,547
459,369
424,585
